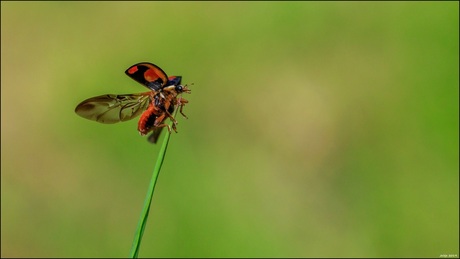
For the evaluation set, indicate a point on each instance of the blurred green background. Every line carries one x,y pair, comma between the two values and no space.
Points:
315,129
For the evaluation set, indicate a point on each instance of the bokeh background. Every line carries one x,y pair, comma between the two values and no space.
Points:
315,129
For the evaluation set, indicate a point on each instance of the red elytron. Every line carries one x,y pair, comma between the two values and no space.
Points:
155,105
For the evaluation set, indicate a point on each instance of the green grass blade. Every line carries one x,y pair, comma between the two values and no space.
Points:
148,199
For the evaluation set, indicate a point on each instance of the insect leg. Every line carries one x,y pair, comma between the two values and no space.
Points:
173,120
159,122
181,102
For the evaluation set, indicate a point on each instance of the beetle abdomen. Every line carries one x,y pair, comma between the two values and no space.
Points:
147,120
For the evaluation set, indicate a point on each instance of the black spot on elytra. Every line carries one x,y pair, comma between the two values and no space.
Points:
139,77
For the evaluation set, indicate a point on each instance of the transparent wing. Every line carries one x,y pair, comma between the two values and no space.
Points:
113,108
155,135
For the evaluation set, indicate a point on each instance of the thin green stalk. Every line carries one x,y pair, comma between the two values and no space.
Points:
148,199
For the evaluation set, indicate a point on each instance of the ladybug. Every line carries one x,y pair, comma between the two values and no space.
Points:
154,106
